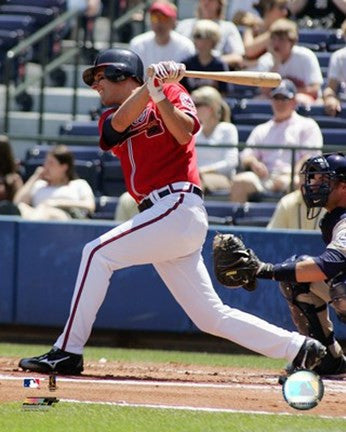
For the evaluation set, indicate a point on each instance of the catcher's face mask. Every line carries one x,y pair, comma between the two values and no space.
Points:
316,184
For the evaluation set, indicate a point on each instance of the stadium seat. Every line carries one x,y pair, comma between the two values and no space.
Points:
112,181
333,136
81,128
244,132
26,23
250,118
60,5
105,207
247,214
80,152
315,39
318,110
325,121
323,60
8,40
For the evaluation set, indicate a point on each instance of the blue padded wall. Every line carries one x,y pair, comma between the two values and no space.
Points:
46,262
49,256
7,268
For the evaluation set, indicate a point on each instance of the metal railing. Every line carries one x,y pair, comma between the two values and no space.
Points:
41,38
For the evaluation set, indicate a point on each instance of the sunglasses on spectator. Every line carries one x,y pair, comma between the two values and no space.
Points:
200,36
280,97
157,17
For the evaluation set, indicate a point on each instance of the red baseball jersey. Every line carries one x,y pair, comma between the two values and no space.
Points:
151,157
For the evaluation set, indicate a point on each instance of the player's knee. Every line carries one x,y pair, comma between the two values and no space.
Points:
89,249
291,290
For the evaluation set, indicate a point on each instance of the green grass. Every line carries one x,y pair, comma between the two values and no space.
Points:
142,355
66,417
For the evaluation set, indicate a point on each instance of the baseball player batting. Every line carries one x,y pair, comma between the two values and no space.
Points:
151,126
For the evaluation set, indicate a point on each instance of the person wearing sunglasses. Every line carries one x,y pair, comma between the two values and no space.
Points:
268,171
162,42
292,61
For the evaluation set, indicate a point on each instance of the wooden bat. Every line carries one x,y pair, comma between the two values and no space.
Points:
258,79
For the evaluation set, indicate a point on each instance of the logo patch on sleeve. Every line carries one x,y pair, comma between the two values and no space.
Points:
186,101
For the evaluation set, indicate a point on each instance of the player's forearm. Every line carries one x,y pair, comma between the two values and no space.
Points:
309,271
179,124
130,110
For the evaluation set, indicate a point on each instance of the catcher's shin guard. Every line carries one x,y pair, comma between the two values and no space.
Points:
312,320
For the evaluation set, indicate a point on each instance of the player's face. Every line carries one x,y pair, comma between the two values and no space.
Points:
110,93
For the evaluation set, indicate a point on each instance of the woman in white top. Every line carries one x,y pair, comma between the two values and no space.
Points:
54,192
217,165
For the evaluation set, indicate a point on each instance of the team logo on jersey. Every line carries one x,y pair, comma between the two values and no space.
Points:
142,118
186,101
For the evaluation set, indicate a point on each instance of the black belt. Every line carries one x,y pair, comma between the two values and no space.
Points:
147,202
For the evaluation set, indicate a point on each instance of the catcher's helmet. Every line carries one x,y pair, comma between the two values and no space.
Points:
318,173
120,64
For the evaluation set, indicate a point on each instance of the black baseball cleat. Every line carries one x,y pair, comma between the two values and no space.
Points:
309,356
331,367
55,360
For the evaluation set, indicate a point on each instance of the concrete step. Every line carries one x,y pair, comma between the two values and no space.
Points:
26,123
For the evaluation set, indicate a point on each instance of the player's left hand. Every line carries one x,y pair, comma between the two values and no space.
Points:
167,71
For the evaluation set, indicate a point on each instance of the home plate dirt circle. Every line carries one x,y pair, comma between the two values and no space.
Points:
171,385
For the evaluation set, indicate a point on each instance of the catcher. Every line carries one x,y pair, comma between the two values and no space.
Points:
308,284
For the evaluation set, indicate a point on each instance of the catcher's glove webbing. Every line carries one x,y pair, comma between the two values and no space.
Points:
234,264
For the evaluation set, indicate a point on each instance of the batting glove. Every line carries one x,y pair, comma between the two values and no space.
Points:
168,71
154,86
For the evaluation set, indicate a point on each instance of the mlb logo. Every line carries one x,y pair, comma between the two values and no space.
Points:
32,383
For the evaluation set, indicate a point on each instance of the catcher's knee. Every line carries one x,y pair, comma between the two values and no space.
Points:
305,315
291,290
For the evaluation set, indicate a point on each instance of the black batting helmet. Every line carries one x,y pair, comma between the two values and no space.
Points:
120,64
328,167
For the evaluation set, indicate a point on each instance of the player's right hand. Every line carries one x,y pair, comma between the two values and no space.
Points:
167,71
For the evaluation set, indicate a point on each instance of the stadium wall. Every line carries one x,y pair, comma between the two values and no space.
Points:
39,263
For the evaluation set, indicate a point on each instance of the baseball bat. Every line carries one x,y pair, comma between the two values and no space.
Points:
258,79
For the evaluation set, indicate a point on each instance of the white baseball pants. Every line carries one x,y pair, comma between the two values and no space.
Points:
169,235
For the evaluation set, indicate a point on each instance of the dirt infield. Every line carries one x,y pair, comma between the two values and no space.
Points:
170,384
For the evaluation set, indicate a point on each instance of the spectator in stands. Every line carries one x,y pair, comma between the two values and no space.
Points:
54,192
240,6
126,208
231,45
270,170
297,63
291,213
335,91
216,165
317,13
10,178
256,35
206,34
162,42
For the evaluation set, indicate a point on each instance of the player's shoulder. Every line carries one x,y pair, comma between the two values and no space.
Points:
142,38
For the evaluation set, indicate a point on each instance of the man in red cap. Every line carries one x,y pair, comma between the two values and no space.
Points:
162,42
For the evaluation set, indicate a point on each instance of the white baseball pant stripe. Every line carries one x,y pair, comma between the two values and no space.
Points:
169,235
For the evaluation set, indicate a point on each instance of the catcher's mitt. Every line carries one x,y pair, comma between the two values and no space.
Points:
234,264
